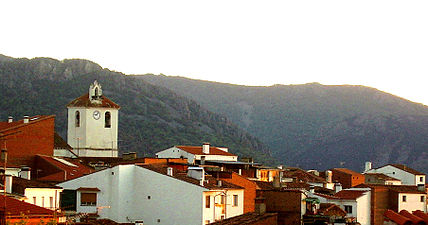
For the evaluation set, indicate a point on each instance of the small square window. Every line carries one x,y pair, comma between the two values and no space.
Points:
88,199
421,179
404,198
348,208
422,198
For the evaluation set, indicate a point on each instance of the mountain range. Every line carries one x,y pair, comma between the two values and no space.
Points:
151,118
312,126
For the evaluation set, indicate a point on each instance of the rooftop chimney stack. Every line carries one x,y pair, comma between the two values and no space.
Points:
170,171
8,183
25,173
206,148
329,176
26,119
368,166
10,119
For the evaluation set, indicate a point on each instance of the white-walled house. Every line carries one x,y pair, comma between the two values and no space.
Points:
200,153
405,174
129,193
354,201
37,193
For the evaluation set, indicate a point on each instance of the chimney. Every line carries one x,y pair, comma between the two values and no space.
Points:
10,119
26,119
337,187
202,160
8,183
25,173
240,171
312,189
276,182
329,176
197,173
219,183
206,148
170,171
368,166
260,206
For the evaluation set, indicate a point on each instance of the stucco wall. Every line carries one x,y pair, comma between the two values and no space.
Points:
412,203
43,194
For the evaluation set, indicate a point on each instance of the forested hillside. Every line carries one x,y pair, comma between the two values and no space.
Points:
151,118
318,126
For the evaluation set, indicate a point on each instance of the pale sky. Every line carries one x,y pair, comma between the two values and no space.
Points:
381,44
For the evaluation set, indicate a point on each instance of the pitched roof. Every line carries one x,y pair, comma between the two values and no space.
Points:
348,171
421,214
381,176
6,126
415,219
197,150
330,209
397,218
349,194
60,143
84,101
245,219
210,182
32,183
396,188
16,208
302,176
407,169
68,168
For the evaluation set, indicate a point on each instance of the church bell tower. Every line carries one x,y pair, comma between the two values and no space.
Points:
93,124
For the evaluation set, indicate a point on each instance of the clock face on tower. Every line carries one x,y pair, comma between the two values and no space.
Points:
96,114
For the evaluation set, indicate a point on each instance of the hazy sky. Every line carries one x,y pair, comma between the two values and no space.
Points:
382,44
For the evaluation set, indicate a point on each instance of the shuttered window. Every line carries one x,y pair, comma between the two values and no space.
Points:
88,199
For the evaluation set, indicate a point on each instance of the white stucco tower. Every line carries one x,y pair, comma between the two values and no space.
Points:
93,124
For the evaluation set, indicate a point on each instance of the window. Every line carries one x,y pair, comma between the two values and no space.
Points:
422,198
88,199
51,205
34,200
404,198
77,119
348,208
207,202
222,199
421,179
43,201
235,200
107,118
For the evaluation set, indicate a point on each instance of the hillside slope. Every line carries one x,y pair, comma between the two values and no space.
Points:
308,125
151,118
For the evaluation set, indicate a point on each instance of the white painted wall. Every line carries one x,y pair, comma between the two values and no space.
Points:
135,193
405,177
214,213
412,203
175,152
43,196
92,138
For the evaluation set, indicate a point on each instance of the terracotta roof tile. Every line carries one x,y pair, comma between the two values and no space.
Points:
349,194
197,150
5,126
421,215
84,101
69,168
302,176
210,182
60,143
381,176
397,218
330,209
347,171
248,218
16,208
407,169
415,219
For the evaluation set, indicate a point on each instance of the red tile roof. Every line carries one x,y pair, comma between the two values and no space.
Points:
19,185
421,215
381,176
302,176
330,209
210,182
407,169
397,218
348,171
88,189
6,126
415,219
16,208
84,101
349,194
60,143
70,169
197,150
246,219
